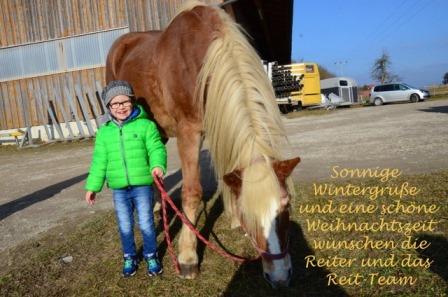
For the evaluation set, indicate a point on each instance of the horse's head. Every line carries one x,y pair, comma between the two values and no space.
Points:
262,206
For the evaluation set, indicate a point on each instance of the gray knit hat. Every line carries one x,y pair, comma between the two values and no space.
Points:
115,88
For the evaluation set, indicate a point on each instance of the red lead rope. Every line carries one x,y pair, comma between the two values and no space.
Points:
167,199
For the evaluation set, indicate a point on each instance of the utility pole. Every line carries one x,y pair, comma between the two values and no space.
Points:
341,64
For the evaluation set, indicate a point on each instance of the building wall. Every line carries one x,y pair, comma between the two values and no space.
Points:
26,21
24,101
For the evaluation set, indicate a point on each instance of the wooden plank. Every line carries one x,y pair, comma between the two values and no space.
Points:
73,109
86,88
12,20
17,116
49,18
54,120
42,88
58,99
68,18
101,16
147,15
35,89
30,25
3,110
98,77
76,18
63,20
123,19
6,102
88,17
30,102
84,109
41,21
136,15
99,89
72,79
84,81
58,25
141,16
21,21
31,88
4,40
131,18
92,88
45,88
23,105
95,16
155,16
111,13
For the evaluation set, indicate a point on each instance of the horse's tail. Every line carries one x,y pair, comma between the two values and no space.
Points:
241,117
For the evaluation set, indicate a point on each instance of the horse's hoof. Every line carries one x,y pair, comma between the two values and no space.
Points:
189,271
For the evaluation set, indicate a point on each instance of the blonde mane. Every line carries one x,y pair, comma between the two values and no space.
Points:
241,120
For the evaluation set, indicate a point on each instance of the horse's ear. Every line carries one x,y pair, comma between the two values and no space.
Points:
284,168
233,180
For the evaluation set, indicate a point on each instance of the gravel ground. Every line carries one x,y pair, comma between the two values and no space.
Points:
43,187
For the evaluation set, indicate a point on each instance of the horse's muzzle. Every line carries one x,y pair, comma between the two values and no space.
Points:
278,283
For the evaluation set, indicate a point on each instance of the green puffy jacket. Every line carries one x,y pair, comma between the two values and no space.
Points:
126,155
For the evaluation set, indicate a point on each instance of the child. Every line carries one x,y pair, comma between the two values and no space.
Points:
128,154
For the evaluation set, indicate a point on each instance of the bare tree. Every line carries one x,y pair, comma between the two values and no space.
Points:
381,70
445,79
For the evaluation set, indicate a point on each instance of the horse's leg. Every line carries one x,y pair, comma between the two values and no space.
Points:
188,143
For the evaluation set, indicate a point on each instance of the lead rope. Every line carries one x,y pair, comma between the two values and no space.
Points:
167,199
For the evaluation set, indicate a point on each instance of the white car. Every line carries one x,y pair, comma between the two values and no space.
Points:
396,92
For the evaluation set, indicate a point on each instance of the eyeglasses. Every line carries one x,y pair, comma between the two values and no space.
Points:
116,105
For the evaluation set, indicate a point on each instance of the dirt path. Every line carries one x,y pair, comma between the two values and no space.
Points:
42,188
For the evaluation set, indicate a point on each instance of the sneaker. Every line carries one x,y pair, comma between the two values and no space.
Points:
129,266
153,266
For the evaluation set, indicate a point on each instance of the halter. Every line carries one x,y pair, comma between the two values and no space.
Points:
264,254
268,256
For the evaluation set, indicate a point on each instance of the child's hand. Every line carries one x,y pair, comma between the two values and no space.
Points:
90,197
157,172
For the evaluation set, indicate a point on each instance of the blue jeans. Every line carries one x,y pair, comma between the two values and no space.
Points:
141,199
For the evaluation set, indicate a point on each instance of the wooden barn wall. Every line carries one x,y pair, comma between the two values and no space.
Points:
28,21
154,15
27,101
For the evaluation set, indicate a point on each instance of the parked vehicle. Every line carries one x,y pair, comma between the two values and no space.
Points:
296,85
396,92
344,87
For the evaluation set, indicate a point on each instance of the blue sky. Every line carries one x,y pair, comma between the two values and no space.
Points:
347,36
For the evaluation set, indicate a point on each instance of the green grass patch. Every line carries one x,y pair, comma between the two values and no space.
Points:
35,268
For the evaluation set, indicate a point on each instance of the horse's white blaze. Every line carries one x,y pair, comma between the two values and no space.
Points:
269,229
279,270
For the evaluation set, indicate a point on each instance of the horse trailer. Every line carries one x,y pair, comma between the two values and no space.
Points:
344,87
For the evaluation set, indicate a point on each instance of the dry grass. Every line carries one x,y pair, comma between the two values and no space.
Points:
36,270
441,90
8,149
307,112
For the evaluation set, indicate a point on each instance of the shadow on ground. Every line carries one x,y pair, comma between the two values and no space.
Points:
436,252
439,109
12,207
209,185
310,282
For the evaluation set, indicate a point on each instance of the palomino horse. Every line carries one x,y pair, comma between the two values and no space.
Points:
201,78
